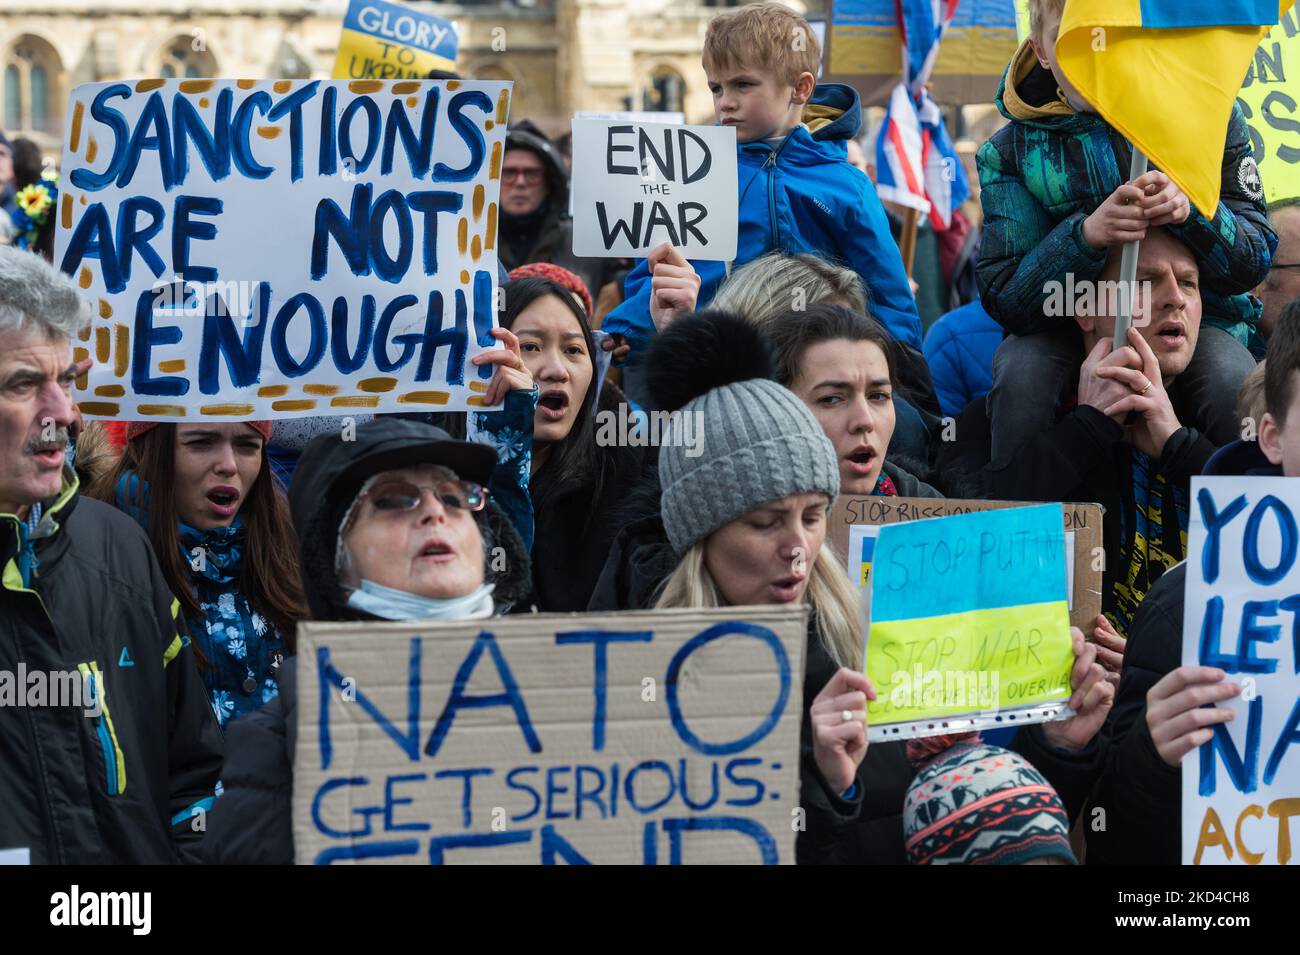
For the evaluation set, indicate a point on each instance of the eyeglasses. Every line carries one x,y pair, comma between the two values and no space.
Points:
401,497
530,176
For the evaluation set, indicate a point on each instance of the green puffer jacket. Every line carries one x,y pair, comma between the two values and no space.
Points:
1051,167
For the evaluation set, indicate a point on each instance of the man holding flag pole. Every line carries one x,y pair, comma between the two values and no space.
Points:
1063,186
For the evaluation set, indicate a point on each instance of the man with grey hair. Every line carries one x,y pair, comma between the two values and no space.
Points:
128,775
1281,286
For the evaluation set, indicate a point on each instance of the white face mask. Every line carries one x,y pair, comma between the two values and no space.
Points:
389,604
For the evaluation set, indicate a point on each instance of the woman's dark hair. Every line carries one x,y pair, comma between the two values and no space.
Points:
269,577
793,333
29,167
575,463
28,163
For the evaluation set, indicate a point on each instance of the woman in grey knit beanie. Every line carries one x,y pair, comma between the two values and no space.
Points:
746,511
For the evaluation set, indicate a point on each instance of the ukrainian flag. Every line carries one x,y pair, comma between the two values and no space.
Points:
1165,74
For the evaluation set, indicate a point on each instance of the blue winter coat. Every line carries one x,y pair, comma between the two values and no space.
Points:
802,196
959,349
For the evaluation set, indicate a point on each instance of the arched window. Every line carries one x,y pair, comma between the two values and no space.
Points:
33,84
666,92
13,98
186,58
40,97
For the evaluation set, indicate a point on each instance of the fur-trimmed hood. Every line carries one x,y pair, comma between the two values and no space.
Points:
330,475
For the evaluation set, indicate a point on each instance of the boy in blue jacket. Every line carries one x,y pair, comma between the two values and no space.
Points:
797,191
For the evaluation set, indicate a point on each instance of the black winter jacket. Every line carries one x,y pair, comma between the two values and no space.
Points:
121,786
252,823
1141,793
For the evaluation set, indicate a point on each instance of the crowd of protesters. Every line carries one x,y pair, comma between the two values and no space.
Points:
194,550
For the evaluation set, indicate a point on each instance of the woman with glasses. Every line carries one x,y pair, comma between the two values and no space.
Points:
221,532
396,524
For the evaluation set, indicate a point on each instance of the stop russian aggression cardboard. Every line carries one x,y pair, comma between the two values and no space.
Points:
660,737
1082,525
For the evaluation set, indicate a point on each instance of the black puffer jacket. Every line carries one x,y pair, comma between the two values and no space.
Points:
252,823
120,787
1141,793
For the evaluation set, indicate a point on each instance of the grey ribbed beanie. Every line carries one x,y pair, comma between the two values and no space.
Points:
758,443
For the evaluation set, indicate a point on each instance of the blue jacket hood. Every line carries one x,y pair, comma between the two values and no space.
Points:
1241,458
826,98
832,117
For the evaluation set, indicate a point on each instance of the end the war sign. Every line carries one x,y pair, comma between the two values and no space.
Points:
384,41
282,248
1241,789
969,623
667,737
637,185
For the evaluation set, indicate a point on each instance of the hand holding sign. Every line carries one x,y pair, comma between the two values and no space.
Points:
1091,698
512,374
1178,712
840,744
1110,647
674,285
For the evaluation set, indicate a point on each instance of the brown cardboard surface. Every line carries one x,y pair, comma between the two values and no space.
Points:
497,781
1083,519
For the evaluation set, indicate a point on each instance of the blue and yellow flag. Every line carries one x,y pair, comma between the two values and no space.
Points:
387,41
1165,74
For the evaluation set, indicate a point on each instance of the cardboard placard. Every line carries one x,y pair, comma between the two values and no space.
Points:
1241,790
1083,521
280,249
385,41
655,737
969,624
636,185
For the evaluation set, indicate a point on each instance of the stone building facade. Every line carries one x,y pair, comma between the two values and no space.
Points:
563,55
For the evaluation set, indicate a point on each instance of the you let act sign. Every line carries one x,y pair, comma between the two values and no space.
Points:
1241,790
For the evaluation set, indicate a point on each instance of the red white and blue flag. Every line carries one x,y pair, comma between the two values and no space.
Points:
916,164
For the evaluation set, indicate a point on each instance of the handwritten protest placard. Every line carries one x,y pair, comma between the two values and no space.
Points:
665,737
273,249
1241,790
969,626
636,185
384,41
1270,100
855,520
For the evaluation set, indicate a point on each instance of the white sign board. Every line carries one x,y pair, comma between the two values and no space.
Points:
268,249
637,185
1241,790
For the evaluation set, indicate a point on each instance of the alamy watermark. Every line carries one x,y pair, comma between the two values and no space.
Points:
57,688
1094,297
639,429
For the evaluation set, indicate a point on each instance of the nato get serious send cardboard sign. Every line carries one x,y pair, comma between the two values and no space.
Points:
663,737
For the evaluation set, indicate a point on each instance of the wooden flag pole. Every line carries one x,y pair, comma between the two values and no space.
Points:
907,238
1128,264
